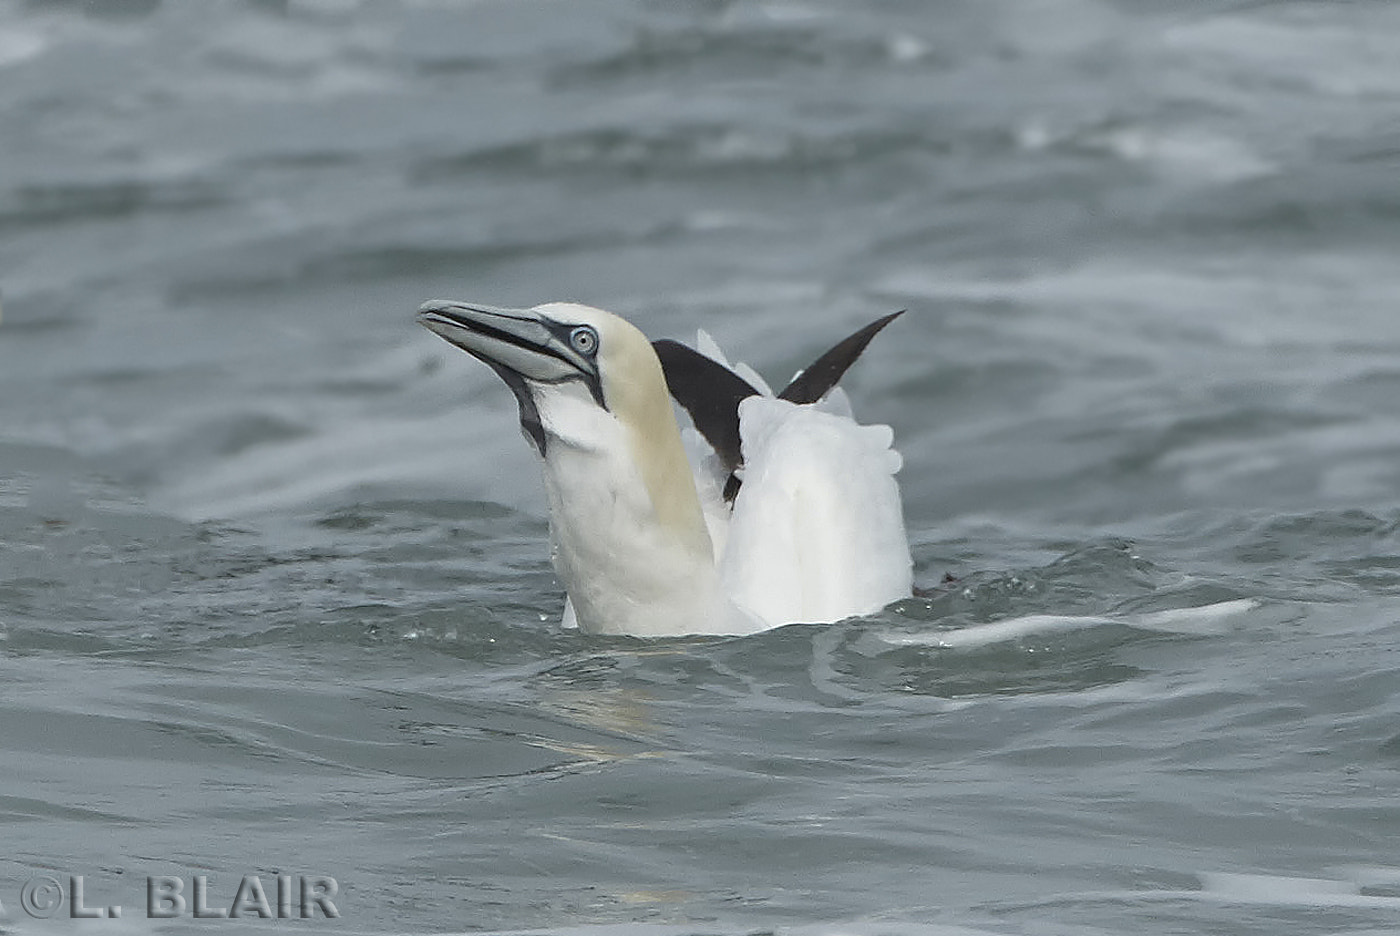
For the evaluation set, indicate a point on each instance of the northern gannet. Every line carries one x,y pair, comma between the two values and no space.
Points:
790,514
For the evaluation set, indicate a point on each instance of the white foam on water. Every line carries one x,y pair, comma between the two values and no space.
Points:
856,928
1204,619
1272,890
16,47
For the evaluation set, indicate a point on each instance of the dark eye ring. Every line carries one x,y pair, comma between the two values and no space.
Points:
584,339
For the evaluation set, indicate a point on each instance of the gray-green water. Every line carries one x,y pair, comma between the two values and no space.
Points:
274,584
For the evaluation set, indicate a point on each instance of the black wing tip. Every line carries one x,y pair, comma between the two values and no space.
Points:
877,326
886,319
817,379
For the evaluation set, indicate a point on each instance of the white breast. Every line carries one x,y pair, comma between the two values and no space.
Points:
625,572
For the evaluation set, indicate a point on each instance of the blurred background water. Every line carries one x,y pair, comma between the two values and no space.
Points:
274,582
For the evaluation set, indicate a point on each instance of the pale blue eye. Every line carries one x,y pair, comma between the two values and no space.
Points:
585,340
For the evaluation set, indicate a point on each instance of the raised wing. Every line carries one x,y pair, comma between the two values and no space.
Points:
823,373
711,393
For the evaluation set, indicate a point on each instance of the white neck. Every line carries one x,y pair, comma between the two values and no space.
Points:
629,539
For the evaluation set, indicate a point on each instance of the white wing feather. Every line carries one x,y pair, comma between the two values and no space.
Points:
816,532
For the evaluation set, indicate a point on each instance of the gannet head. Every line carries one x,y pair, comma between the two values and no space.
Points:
528,349
567,350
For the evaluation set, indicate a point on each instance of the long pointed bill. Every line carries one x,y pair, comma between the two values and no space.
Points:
519,340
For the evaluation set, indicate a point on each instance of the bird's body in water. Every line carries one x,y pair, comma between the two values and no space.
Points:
784,511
